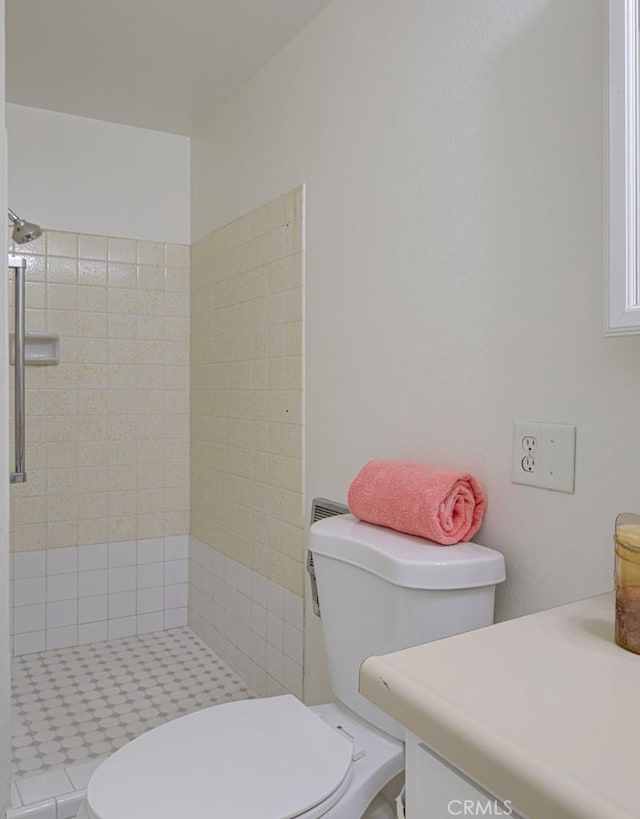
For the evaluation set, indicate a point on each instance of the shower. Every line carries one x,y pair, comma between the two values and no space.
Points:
23,232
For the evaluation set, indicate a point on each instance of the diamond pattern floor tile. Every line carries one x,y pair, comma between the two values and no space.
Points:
71,705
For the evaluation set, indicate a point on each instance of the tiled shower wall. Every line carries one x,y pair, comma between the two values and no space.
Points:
247,436
107,428
84,594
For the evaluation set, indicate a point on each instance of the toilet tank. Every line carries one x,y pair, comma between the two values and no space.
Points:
382,591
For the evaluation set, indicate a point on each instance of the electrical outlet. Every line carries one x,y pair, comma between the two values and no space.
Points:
528,463
544,455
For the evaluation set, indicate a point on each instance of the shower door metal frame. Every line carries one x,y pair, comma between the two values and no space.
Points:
18,264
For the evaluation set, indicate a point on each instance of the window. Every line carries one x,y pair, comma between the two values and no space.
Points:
623,301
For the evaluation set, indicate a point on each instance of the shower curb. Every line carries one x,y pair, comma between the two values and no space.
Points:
65,806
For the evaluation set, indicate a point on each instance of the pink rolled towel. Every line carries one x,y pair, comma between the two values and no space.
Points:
438,504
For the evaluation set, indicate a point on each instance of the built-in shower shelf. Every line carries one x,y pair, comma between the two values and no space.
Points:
39,348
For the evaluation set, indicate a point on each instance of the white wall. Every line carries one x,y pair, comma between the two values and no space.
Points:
88,176
453,157
5,695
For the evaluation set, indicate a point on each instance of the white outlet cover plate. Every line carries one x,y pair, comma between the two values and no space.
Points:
554,456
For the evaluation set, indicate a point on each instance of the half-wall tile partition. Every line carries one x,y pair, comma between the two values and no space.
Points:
247,517
254,624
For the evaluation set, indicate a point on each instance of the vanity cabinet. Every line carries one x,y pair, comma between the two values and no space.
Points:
537,710
435,789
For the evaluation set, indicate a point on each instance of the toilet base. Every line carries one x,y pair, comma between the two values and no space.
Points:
380,809
382,762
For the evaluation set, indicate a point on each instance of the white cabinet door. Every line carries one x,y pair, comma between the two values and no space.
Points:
438,790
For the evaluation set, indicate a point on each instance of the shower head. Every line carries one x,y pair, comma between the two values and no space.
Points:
23,232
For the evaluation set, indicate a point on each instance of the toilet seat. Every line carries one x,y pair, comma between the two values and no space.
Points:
270,758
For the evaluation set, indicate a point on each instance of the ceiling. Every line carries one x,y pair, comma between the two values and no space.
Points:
158,64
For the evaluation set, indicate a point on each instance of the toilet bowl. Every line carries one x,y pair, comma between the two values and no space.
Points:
276,758
272,758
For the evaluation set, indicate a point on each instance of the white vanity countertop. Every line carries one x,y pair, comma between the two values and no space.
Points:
543,710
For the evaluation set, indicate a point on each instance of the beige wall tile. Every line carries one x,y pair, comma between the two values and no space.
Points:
148,476
92,506
123,528
92,531
151,253
36,269
28,536
246,390
92,325
61,270
58,455
122,250
35,296
122,298
93,479
177,280
62,481
62,244
92,247
28,510
62,296
123,478
150,278
175,523
36,320
93,453
178,256
36,485
92,272
92,298
108,427
62,533
152,526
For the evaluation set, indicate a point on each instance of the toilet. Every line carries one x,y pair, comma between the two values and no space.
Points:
275,758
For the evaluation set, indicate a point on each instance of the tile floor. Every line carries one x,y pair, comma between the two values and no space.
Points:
75,705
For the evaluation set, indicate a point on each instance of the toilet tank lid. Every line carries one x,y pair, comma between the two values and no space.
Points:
405,560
